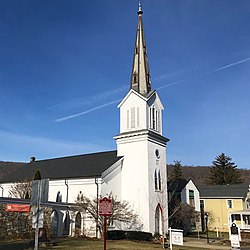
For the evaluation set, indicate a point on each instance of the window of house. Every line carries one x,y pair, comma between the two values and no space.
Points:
229,204
191,198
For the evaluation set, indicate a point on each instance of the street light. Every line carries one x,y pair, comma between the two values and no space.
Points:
206,219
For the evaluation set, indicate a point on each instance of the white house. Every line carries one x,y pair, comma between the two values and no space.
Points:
136,172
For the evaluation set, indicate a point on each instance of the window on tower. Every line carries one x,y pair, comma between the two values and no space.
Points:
133,117
156,181
159,180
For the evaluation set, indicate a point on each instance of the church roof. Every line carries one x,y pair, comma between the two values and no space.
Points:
79,166
140,77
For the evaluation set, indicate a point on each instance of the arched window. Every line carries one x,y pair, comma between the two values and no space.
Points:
54,223
156,180
66,224
153,117
159,180
157,219
78,221
59,197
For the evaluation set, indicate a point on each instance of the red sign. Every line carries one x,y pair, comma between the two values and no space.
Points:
17,208
105,206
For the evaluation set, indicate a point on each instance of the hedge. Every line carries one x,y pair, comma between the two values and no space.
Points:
128,235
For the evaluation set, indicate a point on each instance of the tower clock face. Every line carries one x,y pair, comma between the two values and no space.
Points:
157,153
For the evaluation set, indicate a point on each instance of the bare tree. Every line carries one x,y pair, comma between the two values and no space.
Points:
123,216
21,190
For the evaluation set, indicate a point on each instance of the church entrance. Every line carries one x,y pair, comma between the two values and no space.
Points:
158,219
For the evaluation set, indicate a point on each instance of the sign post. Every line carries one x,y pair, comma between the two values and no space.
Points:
175,237
39,194
235,237
105,209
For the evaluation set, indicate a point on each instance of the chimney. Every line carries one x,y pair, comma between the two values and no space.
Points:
33,158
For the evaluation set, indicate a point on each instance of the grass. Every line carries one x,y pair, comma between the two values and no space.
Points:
83,244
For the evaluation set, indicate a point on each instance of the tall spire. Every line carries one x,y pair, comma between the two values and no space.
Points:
140,77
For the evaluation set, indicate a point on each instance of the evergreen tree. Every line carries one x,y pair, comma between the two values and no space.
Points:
177,171
224,171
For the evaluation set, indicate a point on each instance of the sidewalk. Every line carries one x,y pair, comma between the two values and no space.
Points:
202,243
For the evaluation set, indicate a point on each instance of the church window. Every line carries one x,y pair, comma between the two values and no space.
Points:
127,119
138,118
133,117
159,180
59,197
156,181
157,219
156,120
78,222
66,224
153,118
54,223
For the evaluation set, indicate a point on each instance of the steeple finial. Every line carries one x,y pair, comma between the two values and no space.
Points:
140,77
139,12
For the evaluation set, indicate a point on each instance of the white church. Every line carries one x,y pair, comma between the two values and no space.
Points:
135,172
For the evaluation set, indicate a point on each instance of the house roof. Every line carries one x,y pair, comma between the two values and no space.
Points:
177,185
223,191
87,165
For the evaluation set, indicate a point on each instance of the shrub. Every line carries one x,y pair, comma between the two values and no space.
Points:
129,235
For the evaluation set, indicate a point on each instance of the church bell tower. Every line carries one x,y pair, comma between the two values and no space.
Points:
141,143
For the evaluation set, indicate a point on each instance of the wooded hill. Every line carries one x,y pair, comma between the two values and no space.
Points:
198,174
7,167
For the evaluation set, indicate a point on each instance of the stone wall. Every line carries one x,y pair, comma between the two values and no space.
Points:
16,225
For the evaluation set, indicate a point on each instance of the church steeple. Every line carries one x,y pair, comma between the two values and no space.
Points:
140,77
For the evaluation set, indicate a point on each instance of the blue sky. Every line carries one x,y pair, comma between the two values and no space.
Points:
64,66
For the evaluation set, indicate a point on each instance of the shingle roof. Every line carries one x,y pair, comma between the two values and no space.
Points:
177,185
223,191
88,165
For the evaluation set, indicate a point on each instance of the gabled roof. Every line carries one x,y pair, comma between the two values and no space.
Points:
177,185
79,166
223,191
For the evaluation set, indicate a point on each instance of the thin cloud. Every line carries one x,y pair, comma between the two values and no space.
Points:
87,111
91,100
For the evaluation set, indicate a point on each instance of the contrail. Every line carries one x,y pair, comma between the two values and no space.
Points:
171,84
230,65
209,72
87,111
90,100
105,95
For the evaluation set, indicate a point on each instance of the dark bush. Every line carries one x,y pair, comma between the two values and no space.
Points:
129,235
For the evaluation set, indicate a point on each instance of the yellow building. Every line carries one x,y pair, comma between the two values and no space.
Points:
218,201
